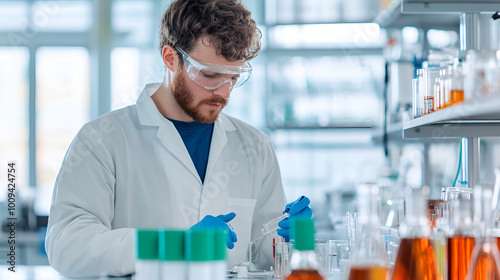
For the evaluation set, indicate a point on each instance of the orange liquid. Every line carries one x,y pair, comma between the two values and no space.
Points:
460,251
304,274
498,242
368,273
416,260
485,267
456,96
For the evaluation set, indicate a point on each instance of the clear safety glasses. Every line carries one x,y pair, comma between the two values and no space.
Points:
212,76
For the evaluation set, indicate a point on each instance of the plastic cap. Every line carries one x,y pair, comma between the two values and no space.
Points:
303,232
219,245
147,244
200,245
171,245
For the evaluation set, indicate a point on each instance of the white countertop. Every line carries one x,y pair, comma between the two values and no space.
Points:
45,272
42,272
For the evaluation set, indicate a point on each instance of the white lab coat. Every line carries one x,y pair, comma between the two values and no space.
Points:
130,169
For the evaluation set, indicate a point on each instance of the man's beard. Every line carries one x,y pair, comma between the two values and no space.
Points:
184,98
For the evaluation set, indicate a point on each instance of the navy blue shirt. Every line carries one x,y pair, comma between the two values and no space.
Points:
197,138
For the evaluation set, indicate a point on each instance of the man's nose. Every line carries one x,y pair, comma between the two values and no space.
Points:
225,90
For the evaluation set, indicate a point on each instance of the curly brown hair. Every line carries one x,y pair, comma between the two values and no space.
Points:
226,23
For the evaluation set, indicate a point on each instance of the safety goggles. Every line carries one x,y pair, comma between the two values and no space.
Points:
212,76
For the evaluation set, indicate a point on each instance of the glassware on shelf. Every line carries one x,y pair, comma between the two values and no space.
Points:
426,82
482,70
369,256
416,258
485,263
457,85
460,241
442,91
438,95
415,97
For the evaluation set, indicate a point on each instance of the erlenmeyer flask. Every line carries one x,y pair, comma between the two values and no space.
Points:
486,259
416,259
369,259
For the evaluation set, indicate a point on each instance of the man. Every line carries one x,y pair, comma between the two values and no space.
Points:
173,160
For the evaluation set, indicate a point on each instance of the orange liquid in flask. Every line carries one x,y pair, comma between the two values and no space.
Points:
369,273
304,274
416,260
460,251
485,267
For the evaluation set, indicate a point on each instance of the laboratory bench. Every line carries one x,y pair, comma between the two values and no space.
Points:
45,272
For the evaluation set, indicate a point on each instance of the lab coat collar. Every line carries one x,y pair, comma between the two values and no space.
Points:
149,115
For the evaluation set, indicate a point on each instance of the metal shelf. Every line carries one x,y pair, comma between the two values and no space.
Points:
423,13
392,17
474,119
449,6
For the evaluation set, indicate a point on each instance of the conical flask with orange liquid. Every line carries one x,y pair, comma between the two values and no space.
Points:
416,259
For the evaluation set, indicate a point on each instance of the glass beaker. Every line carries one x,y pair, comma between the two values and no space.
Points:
369,256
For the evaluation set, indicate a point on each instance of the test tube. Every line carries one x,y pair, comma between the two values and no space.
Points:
272,225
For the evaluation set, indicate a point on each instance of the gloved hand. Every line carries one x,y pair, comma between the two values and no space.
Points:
298,208
219,222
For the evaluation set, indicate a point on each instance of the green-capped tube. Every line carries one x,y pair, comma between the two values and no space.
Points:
220,266
303,233
173,263
147,265
200,254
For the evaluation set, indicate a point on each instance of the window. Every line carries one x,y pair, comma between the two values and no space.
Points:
62,106
14,95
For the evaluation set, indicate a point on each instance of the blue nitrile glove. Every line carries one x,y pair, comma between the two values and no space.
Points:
219,222
298,208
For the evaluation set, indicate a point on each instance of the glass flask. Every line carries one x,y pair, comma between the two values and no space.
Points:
460,241
486,259
369,256
303,261
416,258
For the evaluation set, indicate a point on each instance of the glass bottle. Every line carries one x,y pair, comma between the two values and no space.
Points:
303,261
460,241
369,256
486,258
416,258
457,85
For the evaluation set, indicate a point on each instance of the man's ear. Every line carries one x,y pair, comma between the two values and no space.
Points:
169,55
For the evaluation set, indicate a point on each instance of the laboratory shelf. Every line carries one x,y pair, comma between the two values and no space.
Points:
392,17
449,6
471,119
437,14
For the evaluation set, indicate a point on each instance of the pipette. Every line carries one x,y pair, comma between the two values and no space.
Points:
272,225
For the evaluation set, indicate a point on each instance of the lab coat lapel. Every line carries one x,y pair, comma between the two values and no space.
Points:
219,140
167,133
172,141
215,191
